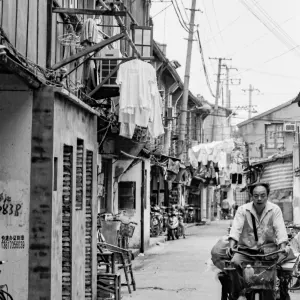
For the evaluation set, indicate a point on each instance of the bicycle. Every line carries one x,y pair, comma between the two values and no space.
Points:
4,295
124,233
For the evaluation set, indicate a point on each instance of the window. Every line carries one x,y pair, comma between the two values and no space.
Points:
105,181
79,175
55,174
142,37
274,136
127,194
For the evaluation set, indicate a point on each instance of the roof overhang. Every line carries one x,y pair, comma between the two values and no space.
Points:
9,65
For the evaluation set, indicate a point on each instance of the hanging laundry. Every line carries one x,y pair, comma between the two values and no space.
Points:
193,159
155,125
89,32
139,102
89,37
223,159
135,78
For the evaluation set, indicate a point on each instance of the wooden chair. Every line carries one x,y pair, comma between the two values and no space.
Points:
124,261
109,283
106,259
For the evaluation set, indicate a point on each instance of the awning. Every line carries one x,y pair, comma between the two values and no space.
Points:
279,174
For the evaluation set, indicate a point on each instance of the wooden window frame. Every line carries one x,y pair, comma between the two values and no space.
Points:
123,207
275,133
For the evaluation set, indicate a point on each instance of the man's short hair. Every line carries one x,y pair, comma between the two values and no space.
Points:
253,186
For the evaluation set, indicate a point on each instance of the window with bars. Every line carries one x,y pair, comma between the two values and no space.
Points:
274,136
106,170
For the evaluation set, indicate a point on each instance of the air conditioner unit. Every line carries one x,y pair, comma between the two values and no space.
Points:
108,64
289,127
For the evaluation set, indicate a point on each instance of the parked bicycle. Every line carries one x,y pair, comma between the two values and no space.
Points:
4,295
124,233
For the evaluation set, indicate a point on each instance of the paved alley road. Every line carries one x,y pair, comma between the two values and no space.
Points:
177,270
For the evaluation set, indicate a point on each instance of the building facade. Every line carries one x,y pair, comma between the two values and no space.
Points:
272,131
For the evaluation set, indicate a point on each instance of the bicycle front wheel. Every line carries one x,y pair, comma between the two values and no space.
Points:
5,295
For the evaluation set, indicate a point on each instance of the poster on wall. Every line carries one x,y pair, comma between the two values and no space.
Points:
14,224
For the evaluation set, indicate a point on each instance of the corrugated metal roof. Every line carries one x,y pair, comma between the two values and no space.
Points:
279,174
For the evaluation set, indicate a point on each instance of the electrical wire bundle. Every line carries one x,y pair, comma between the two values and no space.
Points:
204,66
259,13
179,16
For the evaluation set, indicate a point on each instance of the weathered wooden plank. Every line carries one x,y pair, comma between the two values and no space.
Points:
78,11
59,32
96,47
50,40
1,11
42,36
54,40
21,29
32,31
9,19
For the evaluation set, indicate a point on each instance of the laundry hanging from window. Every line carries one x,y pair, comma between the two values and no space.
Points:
140,103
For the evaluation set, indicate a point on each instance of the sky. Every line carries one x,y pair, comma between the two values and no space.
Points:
262,37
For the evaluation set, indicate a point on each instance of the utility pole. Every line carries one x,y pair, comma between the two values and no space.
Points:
214,129
183,115
250,90
227,84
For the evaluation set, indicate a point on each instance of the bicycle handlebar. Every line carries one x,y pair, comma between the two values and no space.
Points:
259,255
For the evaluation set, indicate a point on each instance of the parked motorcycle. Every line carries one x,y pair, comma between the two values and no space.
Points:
156,221
190,218
263,277
226,215
165,218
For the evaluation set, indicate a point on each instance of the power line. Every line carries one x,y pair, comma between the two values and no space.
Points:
258,38
273,22
209,25
162,10
179,17
187,17
275,57
222,30
217,22
278,34
204,66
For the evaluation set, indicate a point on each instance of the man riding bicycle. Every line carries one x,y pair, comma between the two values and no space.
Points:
257,226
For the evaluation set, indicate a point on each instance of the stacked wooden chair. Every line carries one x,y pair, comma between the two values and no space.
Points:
123,261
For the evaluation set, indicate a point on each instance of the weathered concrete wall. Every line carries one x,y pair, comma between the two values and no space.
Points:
134,215
71,123
41,196
15,157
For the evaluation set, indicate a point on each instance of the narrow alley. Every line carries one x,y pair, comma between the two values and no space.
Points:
177,270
